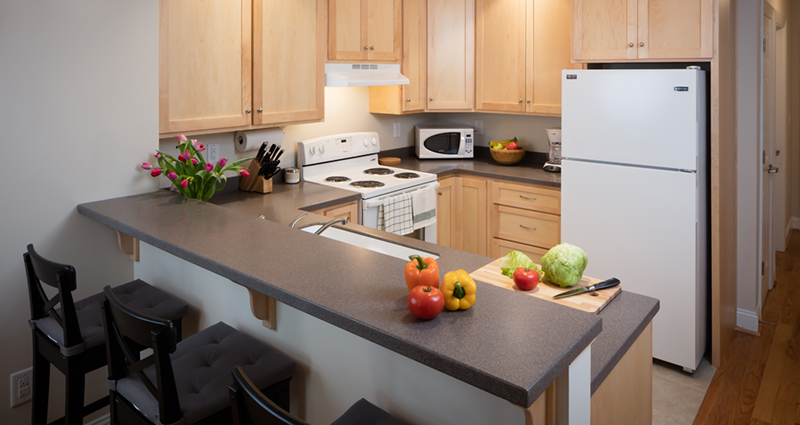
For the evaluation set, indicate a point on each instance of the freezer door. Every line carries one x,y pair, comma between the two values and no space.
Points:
643,117
639,225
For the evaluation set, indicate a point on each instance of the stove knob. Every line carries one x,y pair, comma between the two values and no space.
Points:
312,150
374,141
366,142
321,149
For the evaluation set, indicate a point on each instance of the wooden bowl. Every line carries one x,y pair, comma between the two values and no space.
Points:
506,157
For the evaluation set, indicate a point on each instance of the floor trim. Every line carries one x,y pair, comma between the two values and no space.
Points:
747,320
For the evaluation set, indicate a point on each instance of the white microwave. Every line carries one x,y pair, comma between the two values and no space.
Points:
444,142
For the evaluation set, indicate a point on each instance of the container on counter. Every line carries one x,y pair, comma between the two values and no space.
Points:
292,176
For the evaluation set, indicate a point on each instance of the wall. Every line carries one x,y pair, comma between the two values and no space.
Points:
793,15
529,131
79,110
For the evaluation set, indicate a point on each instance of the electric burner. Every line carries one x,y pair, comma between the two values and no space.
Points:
367,183
407,175
378,171
337,179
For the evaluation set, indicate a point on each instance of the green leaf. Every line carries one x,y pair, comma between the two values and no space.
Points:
235,163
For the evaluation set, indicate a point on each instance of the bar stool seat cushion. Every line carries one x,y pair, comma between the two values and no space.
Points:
202,367
137,294
366,413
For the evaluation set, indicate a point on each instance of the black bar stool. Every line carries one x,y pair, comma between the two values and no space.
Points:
251,407
182,383
71,337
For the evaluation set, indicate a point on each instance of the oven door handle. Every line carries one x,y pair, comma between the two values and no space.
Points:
372,203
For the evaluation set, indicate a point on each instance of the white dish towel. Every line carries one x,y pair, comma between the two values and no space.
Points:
423,203
395,215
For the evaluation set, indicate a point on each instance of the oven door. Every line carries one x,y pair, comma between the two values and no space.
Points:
370,212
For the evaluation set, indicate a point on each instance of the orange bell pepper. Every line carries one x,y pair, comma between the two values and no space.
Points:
422,272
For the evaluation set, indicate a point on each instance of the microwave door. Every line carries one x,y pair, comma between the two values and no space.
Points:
444,143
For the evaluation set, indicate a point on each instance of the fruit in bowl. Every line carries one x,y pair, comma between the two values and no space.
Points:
507,152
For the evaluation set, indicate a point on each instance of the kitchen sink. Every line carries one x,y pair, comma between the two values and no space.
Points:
371,243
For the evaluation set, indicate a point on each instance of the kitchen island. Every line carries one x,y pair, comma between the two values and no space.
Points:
341,310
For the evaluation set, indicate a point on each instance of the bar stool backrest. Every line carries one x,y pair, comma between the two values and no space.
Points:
251,407
61,277
124,329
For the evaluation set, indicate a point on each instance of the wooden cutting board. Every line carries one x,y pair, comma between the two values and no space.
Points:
545,290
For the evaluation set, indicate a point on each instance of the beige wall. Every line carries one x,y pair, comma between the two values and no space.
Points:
78,111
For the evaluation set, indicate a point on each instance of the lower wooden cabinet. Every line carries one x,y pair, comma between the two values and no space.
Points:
461,220
348,210
499,248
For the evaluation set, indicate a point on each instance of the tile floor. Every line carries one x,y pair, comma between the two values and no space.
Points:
677,395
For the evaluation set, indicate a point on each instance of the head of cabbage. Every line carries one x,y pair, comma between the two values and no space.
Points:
564,264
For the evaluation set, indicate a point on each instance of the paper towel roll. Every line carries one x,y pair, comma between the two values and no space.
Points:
252,140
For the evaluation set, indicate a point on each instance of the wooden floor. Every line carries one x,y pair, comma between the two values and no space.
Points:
758,381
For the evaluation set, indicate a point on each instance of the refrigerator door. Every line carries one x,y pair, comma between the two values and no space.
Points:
639,225
643,117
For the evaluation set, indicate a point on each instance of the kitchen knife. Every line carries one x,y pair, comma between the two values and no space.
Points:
261,151
609,283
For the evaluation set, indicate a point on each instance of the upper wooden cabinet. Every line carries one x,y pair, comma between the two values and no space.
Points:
521,48
365,30
408,98
217,75
626,30
451,55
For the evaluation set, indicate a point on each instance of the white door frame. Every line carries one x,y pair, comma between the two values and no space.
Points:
780,196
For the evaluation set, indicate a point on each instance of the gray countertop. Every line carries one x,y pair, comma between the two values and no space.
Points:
518,365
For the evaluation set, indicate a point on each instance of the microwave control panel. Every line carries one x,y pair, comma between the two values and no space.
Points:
468,145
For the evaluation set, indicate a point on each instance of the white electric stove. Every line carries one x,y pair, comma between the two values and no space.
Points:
350,161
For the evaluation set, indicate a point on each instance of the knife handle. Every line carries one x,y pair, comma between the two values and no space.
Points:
608,283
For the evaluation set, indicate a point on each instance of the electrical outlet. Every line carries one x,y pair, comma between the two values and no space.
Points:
213,153
397,129
21,387
478,127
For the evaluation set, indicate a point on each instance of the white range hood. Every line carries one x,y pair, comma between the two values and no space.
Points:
361,75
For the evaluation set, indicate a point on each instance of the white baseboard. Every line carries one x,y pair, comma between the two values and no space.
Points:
747,319
795,221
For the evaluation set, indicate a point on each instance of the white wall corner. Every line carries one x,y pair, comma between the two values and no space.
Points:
746,319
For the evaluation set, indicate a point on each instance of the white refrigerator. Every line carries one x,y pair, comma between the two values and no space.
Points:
633,192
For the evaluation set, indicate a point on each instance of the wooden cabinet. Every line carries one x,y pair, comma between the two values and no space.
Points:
626,30
524,218
364,30
348,210
409,98
461,219
521,47
239,64
451,55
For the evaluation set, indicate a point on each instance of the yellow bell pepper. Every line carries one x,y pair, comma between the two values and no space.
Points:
458,289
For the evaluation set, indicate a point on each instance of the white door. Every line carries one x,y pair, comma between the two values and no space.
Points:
780,206
640,225
767,120
643,117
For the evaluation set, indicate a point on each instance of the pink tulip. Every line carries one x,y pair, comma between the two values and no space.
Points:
244,173
182,138
222,162
194,142
157,155
194,161
146,165
156,172
172,175
185,183
181,158
209,167
200,147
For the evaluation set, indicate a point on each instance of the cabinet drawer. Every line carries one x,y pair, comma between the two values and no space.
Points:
525,226
501,248
527,197
348,211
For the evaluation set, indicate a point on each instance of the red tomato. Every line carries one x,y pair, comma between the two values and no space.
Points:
525,278
425,302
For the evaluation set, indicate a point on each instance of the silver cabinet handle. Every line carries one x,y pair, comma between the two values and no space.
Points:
431,99
260,110
366,47
248,110
525,197
529,101
641,44
520,101
372,47
408,100
772,170
527,228
630,45
440,193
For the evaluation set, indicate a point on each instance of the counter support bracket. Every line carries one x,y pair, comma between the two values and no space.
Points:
129,245
263,307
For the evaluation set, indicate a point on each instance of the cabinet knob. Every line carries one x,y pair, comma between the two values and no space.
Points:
440,193
408,100
248,110
529,101
372,47
260,110
520,101
641,44
366,47
431,99
527,228
630,45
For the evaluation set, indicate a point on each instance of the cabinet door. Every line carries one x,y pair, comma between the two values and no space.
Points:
451,55
604,30
675,29
347,39
444,212
472,209
500,55
414,55
204,65
548,52
384,29
288,60
348,211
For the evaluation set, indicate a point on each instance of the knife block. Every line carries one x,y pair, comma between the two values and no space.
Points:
254,182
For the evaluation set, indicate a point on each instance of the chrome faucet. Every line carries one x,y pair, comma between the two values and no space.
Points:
296,220
342,220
